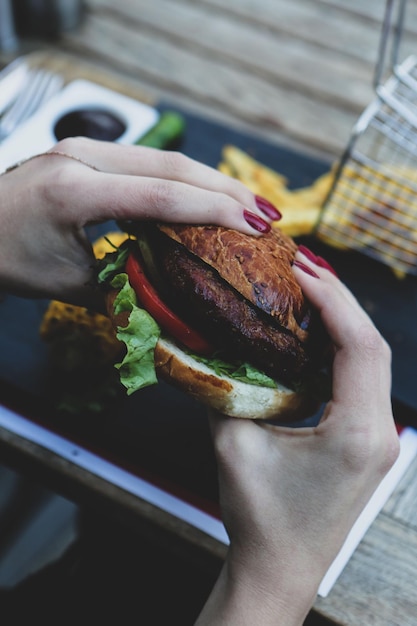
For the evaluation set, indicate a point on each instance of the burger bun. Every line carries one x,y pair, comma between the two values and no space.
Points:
229,396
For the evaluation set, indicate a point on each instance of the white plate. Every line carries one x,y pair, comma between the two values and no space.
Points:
37,134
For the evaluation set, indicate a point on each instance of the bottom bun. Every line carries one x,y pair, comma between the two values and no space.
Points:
228,396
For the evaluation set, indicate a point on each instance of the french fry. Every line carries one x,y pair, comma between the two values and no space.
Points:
94,329
246,167
300,207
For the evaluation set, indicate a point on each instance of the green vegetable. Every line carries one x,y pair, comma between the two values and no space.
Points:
239,370
166,132
111,264
137,369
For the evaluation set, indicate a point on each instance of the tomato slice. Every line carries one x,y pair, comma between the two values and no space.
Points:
162,314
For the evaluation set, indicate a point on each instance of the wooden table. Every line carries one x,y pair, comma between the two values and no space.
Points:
297,74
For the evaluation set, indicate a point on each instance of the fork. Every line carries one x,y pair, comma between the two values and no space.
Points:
39,86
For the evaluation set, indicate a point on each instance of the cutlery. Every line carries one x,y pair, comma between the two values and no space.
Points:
12,78
39,86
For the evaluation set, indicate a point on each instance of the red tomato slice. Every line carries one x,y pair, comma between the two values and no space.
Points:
162,314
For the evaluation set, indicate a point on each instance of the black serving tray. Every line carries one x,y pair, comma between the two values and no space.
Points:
159,432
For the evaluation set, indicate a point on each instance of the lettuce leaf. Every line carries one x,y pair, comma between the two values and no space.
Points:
137,369
111,264
239,370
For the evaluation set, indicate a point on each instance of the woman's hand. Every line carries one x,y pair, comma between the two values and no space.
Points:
47,202
289,496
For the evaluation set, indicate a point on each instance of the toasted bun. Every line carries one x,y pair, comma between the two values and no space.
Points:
229,396
259,268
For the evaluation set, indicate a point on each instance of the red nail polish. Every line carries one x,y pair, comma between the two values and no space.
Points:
318,260
256,222
307,253
305,269
267,208
323,263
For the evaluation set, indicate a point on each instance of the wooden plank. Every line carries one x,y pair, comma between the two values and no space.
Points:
402,504
71,68
80,485
172,70
287,61
370,10
325,24
377,587
287,55
375,10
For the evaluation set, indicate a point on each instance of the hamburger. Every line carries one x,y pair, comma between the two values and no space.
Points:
218,314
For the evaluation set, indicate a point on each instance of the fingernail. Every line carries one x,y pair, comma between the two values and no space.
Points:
256,222
318,260
323,263
308,253
305,269
268,208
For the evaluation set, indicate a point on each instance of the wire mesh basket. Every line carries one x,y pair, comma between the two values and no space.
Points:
372,206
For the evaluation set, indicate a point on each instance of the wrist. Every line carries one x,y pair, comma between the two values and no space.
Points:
7,235
262,593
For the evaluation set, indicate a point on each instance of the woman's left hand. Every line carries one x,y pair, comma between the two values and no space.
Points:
47,202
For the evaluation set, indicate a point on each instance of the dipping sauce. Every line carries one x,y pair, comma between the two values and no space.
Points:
92,123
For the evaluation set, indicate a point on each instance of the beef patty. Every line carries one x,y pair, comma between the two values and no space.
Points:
232,324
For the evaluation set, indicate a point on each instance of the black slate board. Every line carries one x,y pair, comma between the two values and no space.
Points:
160,429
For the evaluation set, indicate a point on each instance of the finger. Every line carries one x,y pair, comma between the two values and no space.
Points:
235,440
164,165
361,372
120,197
314,261
324,291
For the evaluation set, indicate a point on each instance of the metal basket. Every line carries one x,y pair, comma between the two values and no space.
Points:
372,206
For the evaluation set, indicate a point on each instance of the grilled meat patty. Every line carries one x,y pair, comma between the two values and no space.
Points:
236,327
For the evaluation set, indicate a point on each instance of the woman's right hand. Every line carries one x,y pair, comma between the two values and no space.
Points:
289,496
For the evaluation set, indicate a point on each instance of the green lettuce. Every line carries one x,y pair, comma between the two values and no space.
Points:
137,369
239,370
111,264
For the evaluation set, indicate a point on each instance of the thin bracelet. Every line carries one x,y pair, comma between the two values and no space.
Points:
51,152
